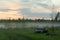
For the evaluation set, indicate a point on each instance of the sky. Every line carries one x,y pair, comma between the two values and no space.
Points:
15,9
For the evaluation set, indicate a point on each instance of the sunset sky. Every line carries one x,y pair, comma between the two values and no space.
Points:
28,8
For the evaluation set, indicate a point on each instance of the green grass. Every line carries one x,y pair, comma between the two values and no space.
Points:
26,34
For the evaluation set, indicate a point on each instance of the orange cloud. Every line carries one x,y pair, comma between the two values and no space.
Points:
10,14
14,6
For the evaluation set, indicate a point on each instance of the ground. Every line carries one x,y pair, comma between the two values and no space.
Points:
28,34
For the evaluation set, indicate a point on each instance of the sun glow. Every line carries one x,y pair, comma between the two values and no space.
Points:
10,14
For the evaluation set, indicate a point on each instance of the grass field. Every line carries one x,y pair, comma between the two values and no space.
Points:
27,34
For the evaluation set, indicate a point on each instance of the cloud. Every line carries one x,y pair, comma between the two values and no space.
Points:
10,9
40,9
3,4
4,10
27,12
14,6
6,4
44,5
56,2
25,0
28,8
11,14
